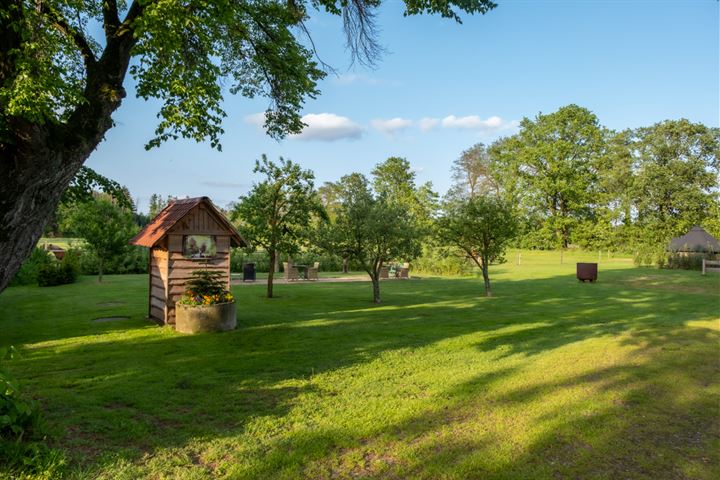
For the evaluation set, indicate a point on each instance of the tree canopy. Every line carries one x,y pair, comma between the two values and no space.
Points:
370,229
105,227
480,228
277,212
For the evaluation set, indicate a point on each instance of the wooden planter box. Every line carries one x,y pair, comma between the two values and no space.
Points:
587,272
219,317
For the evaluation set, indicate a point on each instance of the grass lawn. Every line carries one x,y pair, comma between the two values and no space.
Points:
548,379
61,242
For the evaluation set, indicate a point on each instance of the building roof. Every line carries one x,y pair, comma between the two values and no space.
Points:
696,240
173,213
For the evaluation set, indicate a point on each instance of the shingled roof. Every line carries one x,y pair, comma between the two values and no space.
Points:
696,240
173,213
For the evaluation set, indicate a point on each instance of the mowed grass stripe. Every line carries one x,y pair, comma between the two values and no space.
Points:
550,378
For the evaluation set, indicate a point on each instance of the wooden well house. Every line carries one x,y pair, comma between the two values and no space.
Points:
187,235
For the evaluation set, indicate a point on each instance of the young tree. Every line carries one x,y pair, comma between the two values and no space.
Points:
480,227
59,86
277,213
105,227
370,230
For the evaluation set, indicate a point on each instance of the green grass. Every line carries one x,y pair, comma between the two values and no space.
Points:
61,242
548,379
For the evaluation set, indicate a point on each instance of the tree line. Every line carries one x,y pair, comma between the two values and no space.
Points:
562,180
573,181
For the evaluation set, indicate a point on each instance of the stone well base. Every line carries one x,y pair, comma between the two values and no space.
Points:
205,318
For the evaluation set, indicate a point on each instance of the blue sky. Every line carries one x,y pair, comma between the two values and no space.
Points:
443,87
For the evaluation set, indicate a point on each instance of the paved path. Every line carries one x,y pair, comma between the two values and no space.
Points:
281,280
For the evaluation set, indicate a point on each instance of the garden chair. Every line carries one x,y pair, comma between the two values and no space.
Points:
312,273
403,272
292,274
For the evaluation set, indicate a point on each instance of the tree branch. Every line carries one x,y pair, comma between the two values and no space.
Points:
111,20
134,12
62,25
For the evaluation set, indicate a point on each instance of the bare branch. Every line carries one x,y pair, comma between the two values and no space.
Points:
325,66
361,33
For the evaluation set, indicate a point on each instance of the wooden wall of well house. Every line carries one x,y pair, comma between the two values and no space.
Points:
170,270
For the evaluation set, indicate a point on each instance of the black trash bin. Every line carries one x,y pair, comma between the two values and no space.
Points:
248,272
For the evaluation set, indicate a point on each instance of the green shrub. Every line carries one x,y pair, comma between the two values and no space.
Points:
58,273
29,270
238,257
690,261
328,263
650,256
132,260
437,260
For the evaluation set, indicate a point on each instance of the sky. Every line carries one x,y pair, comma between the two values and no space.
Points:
440,88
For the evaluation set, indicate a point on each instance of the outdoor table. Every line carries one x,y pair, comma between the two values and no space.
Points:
302,271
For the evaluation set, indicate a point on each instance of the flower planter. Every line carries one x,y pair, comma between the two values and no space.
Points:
218,317
587,272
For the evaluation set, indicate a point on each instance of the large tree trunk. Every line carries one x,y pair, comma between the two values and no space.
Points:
38,160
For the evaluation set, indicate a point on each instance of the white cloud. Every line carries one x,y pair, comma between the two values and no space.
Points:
257,119
326,127
426,124
391,126
474,122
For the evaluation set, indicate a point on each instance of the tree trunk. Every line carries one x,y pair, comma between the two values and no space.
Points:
486,278
100,269
38,160
375,276
28,201
346,264
271,273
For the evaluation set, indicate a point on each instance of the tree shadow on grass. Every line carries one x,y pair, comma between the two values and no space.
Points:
633,421
130,398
